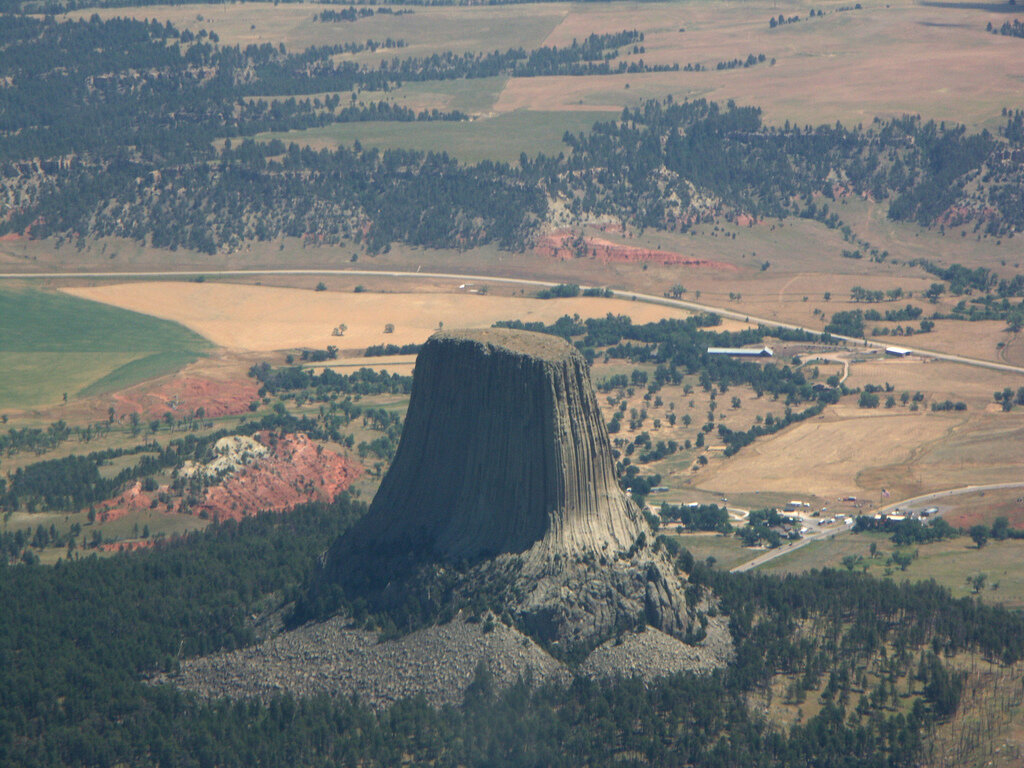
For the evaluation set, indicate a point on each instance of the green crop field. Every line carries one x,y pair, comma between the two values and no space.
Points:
51,343
500,138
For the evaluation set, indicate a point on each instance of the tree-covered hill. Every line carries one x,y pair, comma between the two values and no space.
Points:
109,128
872,659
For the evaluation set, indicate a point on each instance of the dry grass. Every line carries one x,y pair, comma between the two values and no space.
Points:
984,507
426,30
260,318
883,60
940,380
825,456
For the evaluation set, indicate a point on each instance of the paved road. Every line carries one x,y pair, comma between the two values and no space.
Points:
635,296
816,535
838,528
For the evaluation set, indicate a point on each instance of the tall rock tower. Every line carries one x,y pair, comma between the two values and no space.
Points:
503,494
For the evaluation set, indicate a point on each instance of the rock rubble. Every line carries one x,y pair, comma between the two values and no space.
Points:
333,658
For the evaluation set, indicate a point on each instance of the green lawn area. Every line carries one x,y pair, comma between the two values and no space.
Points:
948,562
51,343
728,551
500,138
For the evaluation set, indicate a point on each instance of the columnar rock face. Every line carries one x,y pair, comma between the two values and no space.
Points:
505,469
504,451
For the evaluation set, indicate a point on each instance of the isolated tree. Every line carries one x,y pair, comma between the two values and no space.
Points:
868,400
902,559
980,534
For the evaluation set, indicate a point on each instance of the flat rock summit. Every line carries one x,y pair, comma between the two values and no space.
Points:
502,502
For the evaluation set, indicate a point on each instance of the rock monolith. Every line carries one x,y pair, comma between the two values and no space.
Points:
503,494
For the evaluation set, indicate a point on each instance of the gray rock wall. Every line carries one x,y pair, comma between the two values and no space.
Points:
504,451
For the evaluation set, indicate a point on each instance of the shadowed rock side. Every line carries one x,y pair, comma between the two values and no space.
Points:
503,494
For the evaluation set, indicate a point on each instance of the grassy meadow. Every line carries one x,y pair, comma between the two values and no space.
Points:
949,563
499,138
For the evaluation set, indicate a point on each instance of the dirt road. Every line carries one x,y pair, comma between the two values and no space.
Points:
836,529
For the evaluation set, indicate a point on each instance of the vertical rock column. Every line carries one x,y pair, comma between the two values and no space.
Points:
504,451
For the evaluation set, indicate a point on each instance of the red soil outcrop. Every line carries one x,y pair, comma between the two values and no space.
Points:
127,546
130,500
184,395
295,471
566,245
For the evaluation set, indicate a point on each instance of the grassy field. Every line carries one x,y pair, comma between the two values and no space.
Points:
51,344
470,96
949,563
501,138
425,30
728,551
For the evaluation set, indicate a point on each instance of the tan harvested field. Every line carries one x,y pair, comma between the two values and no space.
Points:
825,456
986,448
804,260
853,451
938,379
261,318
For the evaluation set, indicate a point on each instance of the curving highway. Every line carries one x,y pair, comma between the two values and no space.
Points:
635,296
836,529
815,535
